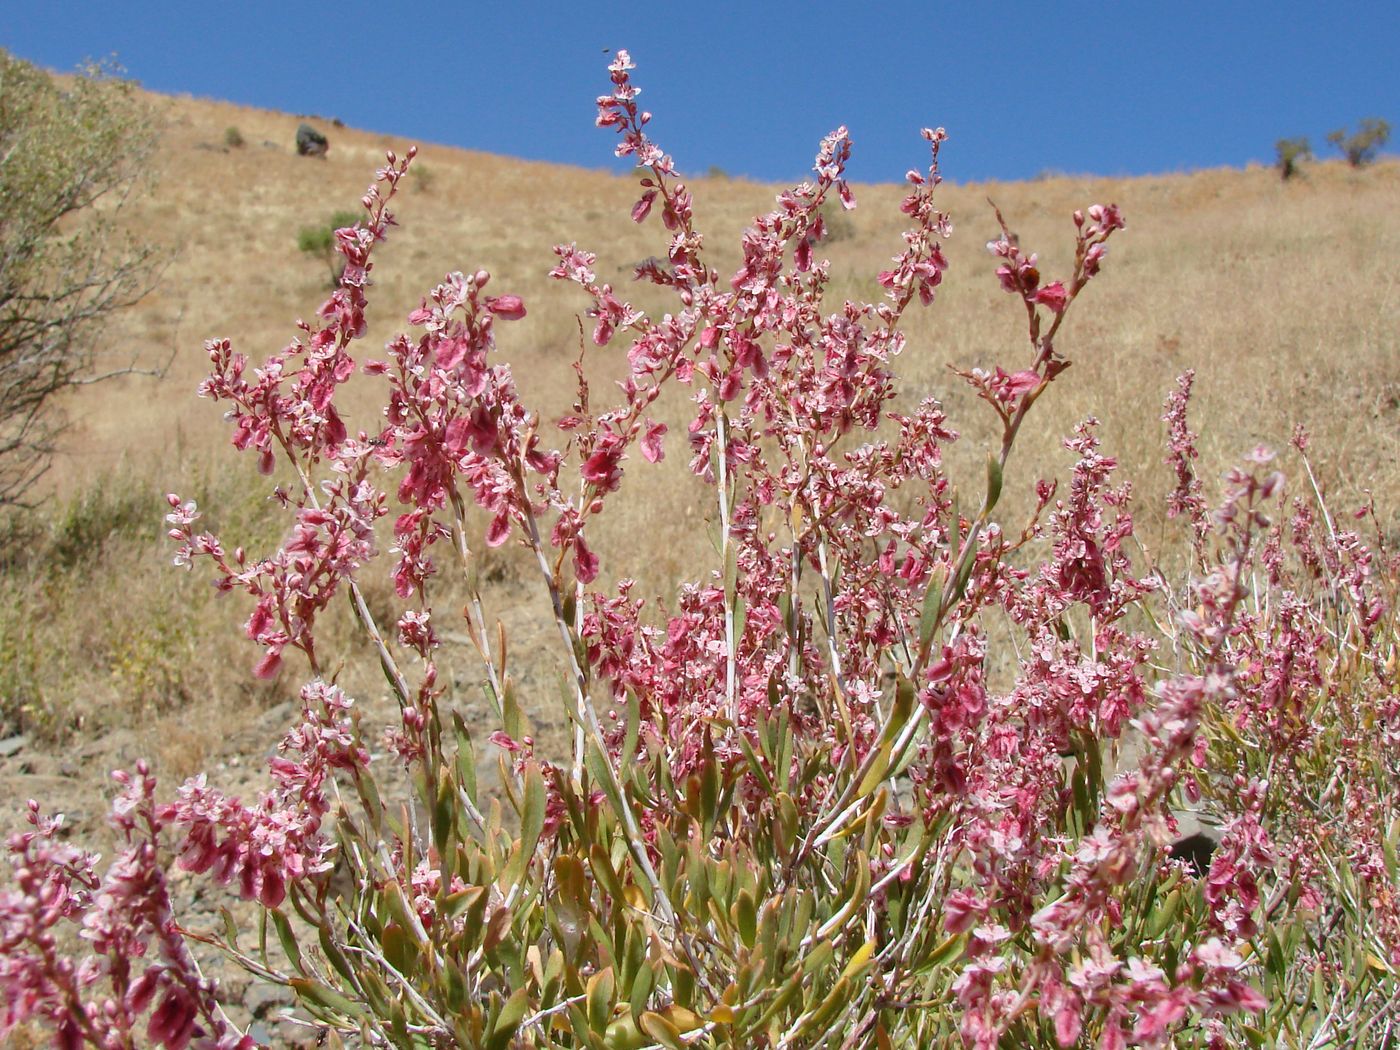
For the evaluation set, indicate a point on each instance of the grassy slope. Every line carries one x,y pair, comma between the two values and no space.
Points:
1283,296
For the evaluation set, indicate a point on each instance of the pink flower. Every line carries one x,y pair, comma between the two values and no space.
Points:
1053,295
642,208
506,307
585,561
961,910
652,449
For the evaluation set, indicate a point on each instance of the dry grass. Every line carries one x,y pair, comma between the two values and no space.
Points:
1282,296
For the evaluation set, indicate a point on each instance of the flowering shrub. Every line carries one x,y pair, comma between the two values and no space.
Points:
892,773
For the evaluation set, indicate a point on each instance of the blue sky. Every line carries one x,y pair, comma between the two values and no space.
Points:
750,87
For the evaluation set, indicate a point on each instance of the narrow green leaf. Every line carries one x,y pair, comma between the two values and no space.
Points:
531,824
642,986
600,1000
508,1020
287,939
745,916
333,953
754,763
513,719
1163,914
662,1030
319,998
964,572
993,483
399,949
1389,851
933,605
445,818
600,769
230,928
878,769
465,758
634,727
943,953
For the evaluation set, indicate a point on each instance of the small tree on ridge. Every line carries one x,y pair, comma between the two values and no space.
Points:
1361,146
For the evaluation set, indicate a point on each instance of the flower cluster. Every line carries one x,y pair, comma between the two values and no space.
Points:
888,750
263,847
138,967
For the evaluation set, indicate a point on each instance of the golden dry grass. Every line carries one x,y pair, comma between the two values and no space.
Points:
1283,296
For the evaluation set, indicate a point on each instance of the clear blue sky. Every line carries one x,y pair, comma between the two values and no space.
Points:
751,86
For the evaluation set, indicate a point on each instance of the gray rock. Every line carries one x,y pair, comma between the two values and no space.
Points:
13,744
310,142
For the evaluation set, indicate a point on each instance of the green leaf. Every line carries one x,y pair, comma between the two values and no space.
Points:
634,727
943,953
745,916
603,872
399,949
324,1001
1389,851
513,719
508,1020
600,1000
755,764
570,902
230,928
445,819
933,606
878,769
601,771
662,1030
993,483
859,960
642,986
531,824
287,939
462,900
333,953
964,572
1163,914
466,757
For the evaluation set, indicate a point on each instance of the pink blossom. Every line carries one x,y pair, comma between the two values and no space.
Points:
652,449
506,307
1054,296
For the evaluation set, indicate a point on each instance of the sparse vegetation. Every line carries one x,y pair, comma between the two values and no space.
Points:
72,157
1363,145
423,178
1291,153
233,138
840,224
319,241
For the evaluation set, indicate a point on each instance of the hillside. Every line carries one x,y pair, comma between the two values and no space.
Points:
1284,298
1281,295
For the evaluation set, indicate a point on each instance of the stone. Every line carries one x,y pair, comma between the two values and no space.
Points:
310,142
13,745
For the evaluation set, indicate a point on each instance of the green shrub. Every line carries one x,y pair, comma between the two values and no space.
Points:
320,241
1291,153
72,154
1364,144
423,178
